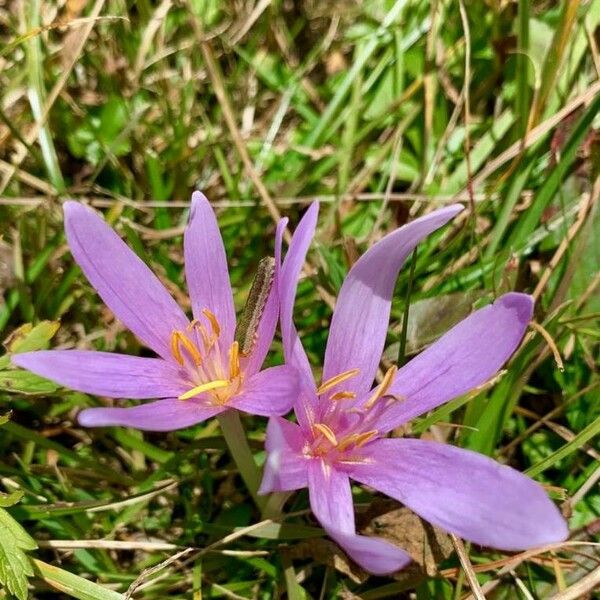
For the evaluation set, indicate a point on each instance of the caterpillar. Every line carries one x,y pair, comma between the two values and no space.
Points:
246,330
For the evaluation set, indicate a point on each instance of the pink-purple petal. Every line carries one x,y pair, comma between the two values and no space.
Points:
206,270
268,393
463,358
162,415
292,266
331,501
360,320
373,554
106,374
286,467
463,492
123,281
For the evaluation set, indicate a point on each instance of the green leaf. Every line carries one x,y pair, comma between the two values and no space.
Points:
25,382
28,338
583,437
530,219
7,500
73,585
14,564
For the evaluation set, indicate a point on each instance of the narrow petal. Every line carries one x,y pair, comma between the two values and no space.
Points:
162,415
269,393
331,502
106,373
206,270
465,357
268,322
285,467
373,554
463,492
292,266
123,281
361,317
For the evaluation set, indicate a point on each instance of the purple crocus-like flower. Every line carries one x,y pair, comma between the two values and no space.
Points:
201,370
342,423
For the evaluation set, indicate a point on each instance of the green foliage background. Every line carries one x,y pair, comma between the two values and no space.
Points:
383,110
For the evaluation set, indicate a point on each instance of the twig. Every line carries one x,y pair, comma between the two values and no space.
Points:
551,344
534,135
217,81
54,93
579,589
584,209
467,567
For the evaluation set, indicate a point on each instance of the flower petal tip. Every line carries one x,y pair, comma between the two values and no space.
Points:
521,303
197,198
88,417
71,209
375,555
22,359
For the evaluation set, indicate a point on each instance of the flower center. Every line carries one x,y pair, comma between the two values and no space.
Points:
346,425
326,443
198,350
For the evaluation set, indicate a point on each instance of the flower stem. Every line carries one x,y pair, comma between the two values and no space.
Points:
274,505
235,437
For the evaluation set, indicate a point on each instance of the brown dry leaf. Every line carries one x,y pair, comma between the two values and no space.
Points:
7,273
426,544
328,553
430,318
335,63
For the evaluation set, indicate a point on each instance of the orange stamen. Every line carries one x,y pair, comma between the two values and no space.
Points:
343,396
357,439
191,348
178,339
214,322
234,360
366,437
327,432
330,383
175,347
388,378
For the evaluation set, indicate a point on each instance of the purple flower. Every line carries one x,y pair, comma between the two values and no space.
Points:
342,424
201,371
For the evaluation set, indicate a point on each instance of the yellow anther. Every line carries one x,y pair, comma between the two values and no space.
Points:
330,383
326,431
234,360
343,396
175,347
388,378
178,339
205,387
214,322
366,437
357,439
191,348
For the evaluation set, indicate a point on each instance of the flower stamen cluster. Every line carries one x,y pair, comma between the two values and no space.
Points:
204,364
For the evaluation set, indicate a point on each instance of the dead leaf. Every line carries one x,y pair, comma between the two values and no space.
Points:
426,544
327,553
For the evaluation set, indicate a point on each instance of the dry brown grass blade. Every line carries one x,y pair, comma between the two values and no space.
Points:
467,567
534,135
581,588
584,210
214,73
54,94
